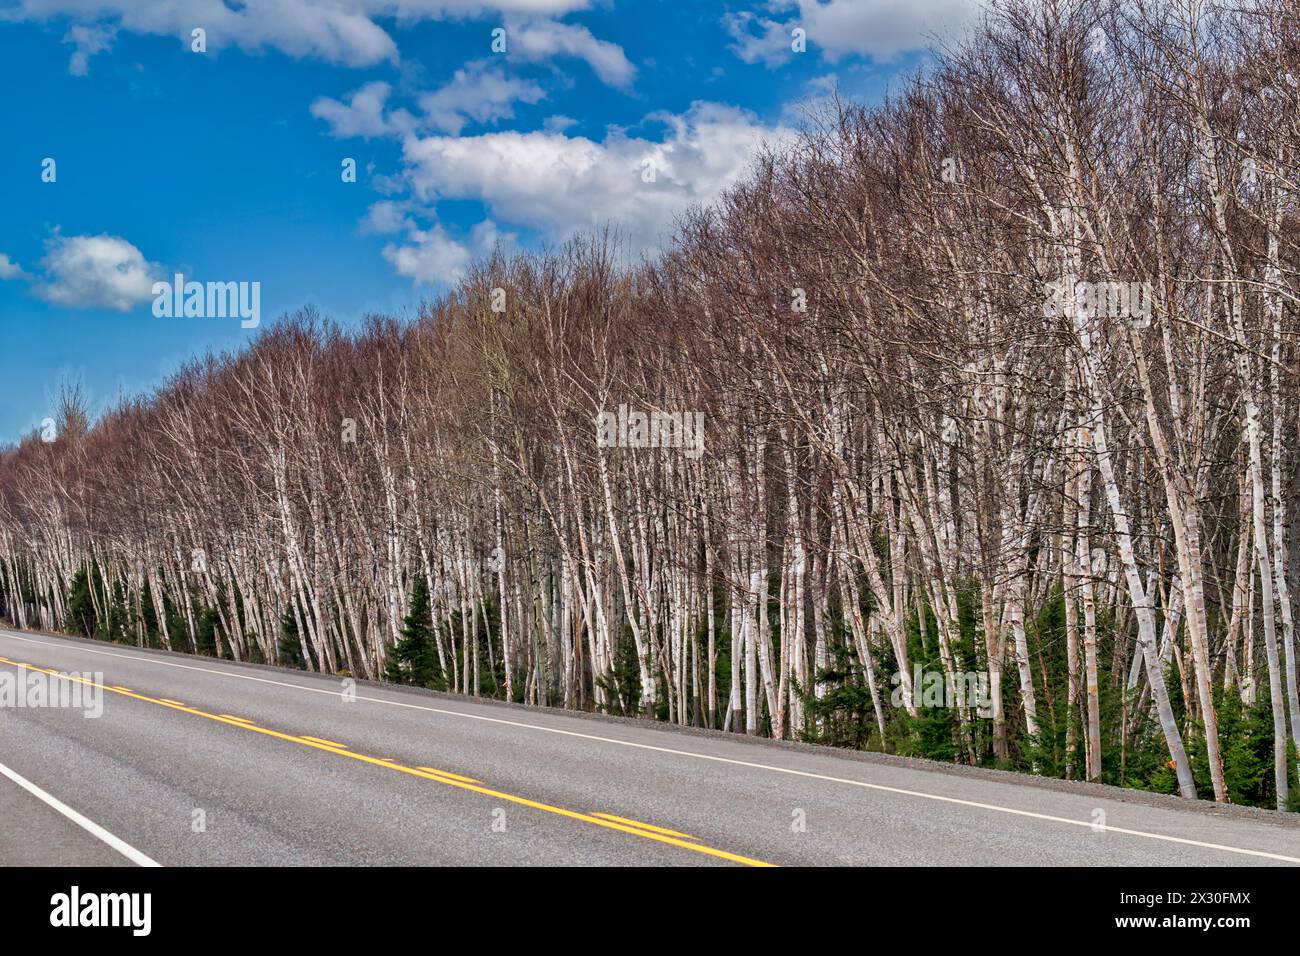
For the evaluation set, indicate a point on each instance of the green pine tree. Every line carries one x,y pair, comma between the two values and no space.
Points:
414,659
81,610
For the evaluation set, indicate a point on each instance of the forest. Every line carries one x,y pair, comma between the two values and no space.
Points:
996,383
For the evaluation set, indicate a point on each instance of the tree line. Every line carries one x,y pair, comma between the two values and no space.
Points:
996,378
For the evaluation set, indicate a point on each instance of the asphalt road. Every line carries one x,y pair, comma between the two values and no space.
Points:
202,762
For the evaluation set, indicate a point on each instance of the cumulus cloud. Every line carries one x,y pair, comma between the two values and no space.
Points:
540,40
95,272
430,256
759,38
88,40
363,114
881,29
559,123
478,92
559,184
338,31
386,217
9,269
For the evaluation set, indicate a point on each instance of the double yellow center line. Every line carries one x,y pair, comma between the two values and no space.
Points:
608,821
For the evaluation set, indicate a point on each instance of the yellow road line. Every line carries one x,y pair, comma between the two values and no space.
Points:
453,776
334,748
167,700
242,720
644,826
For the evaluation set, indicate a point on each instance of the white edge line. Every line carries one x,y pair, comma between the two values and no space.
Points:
90,826
1095,827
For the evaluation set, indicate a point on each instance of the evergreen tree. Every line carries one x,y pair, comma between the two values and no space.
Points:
290,647
81,609
414,659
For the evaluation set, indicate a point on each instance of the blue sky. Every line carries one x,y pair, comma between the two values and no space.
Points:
225,164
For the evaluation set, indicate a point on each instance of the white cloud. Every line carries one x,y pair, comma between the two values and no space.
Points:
386,217
362,115
88,40
432,256
9,269
477,92
881,29
302,28
540,40
559,185
759,38
95,272
559,123
339,31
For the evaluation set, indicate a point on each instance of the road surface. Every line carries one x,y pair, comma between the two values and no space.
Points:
199,762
